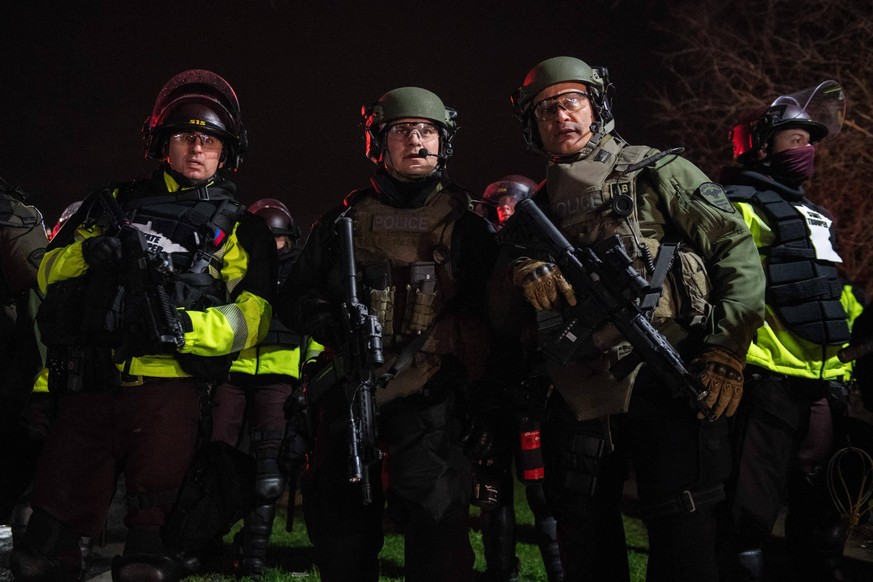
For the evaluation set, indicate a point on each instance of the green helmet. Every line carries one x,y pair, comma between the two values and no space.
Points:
406,102
562,70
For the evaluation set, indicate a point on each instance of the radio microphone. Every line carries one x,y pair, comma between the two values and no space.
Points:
423,153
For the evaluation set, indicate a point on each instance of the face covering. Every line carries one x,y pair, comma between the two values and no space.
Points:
793,166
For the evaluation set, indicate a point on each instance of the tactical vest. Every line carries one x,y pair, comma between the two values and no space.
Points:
803,290
279,334
405,258
595,198
191,227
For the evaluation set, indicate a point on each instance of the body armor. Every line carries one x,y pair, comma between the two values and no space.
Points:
405,257
592,199
189,228
804,289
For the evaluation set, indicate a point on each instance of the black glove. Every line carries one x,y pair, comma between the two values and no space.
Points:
478,439
102,252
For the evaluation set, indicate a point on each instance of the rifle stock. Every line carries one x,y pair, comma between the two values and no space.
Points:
363,356
607,287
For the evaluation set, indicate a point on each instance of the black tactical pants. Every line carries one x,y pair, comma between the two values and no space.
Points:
680,464
425,478
780,456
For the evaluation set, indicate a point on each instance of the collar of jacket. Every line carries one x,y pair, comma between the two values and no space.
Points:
760,180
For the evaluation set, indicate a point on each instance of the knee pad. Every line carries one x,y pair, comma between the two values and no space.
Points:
269,482
145,568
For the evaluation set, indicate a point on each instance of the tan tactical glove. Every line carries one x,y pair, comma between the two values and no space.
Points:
541,282
721,373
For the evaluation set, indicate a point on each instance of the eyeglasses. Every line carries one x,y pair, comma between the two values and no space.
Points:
404,129
572,101
207,142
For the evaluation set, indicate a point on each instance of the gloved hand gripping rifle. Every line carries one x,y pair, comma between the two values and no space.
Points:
151,321
362,352
608,290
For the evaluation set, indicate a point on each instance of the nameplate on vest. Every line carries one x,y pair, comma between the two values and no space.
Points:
819,227
402,222
588,200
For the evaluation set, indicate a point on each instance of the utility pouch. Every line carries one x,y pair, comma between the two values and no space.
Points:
421,295
81,369
685,297
377,278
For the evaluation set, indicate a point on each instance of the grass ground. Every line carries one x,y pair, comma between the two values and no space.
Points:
290,553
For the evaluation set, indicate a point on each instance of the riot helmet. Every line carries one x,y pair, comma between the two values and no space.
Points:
820,110
277,216
68,212
563,70
196,100
401,103
513,187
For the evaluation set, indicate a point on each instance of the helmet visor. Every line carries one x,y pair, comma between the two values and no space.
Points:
825,103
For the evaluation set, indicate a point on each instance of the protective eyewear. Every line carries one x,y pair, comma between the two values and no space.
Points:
404,129
207,142
547,109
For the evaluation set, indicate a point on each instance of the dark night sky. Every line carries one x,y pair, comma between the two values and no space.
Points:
78,82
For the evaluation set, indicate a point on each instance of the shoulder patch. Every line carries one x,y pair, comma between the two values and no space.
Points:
714,195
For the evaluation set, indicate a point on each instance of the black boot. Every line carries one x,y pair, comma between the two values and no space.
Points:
498,538
253,539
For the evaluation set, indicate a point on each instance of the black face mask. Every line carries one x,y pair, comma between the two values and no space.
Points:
794,166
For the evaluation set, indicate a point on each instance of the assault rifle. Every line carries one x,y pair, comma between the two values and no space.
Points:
361,355
608,290
151,322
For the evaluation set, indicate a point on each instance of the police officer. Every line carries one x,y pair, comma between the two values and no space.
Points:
262,379
795,383
22,245
193,272
598,186
500,197
65,216
514,415
423,260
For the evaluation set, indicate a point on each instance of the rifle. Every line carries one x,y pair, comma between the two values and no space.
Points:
608,290
362,355
151,322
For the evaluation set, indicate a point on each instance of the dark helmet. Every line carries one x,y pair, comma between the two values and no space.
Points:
68,213
196,100
562,70
277,216
406,102
820,110
519,187
514,185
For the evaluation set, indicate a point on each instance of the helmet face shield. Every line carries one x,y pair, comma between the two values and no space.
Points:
513,187
196,100
820,110
824,104
277,216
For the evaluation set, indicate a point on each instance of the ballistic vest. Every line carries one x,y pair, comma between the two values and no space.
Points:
191,227
802,288
404,255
